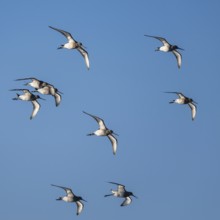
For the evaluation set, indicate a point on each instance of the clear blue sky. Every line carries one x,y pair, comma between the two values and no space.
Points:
171,163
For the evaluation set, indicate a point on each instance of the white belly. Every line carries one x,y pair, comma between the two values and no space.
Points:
67,199
100,132
70,45
179,101
164,49
24,97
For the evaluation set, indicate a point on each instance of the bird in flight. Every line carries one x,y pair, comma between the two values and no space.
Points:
122,193
71,197
104,131
167,47
28,96
185,100
73,44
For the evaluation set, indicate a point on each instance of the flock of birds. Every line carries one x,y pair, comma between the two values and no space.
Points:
45,88
40,87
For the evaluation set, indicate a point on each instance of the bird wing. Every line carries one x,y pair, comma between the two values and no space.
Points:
127,201
121,188
23,90
84,53
193,110
114,143
178,57
181,95
69,191
64,33
178,93
36,107
32,78
57,97
80,206
99,120
161,39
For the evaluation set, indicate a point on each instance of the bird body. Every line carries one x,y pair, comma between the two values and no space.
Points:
51,90
167,47
121,192
71,197
185,100
73,44
104,131
28,96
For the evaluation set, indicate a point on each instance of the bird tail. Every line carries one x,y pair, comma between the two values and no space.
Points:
60,198
90,134
60,47
16,98
172,101
108,195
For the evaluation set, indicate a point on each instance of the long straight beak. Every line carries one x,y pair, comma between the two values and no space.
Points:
42,99
83,46
135,196
180,48
60,92
84,200
115,134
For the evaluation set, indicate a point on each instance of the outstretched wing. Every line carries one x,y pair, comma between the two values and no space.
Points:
99,120
57,97
178,93
85,55
69,191
193,110
32,78
64,33
178,57
121,188
36,108
161,39
23,90
127,201
80,206
114,143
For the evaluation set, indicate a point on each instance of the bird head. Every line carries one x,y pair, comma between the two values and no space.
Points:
61,46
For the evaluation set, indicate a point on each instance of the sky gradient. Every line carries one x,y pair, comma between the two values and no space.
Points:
169,161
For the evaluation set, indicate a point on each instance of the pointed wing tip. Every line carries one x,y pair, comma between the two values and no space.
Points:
116,183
